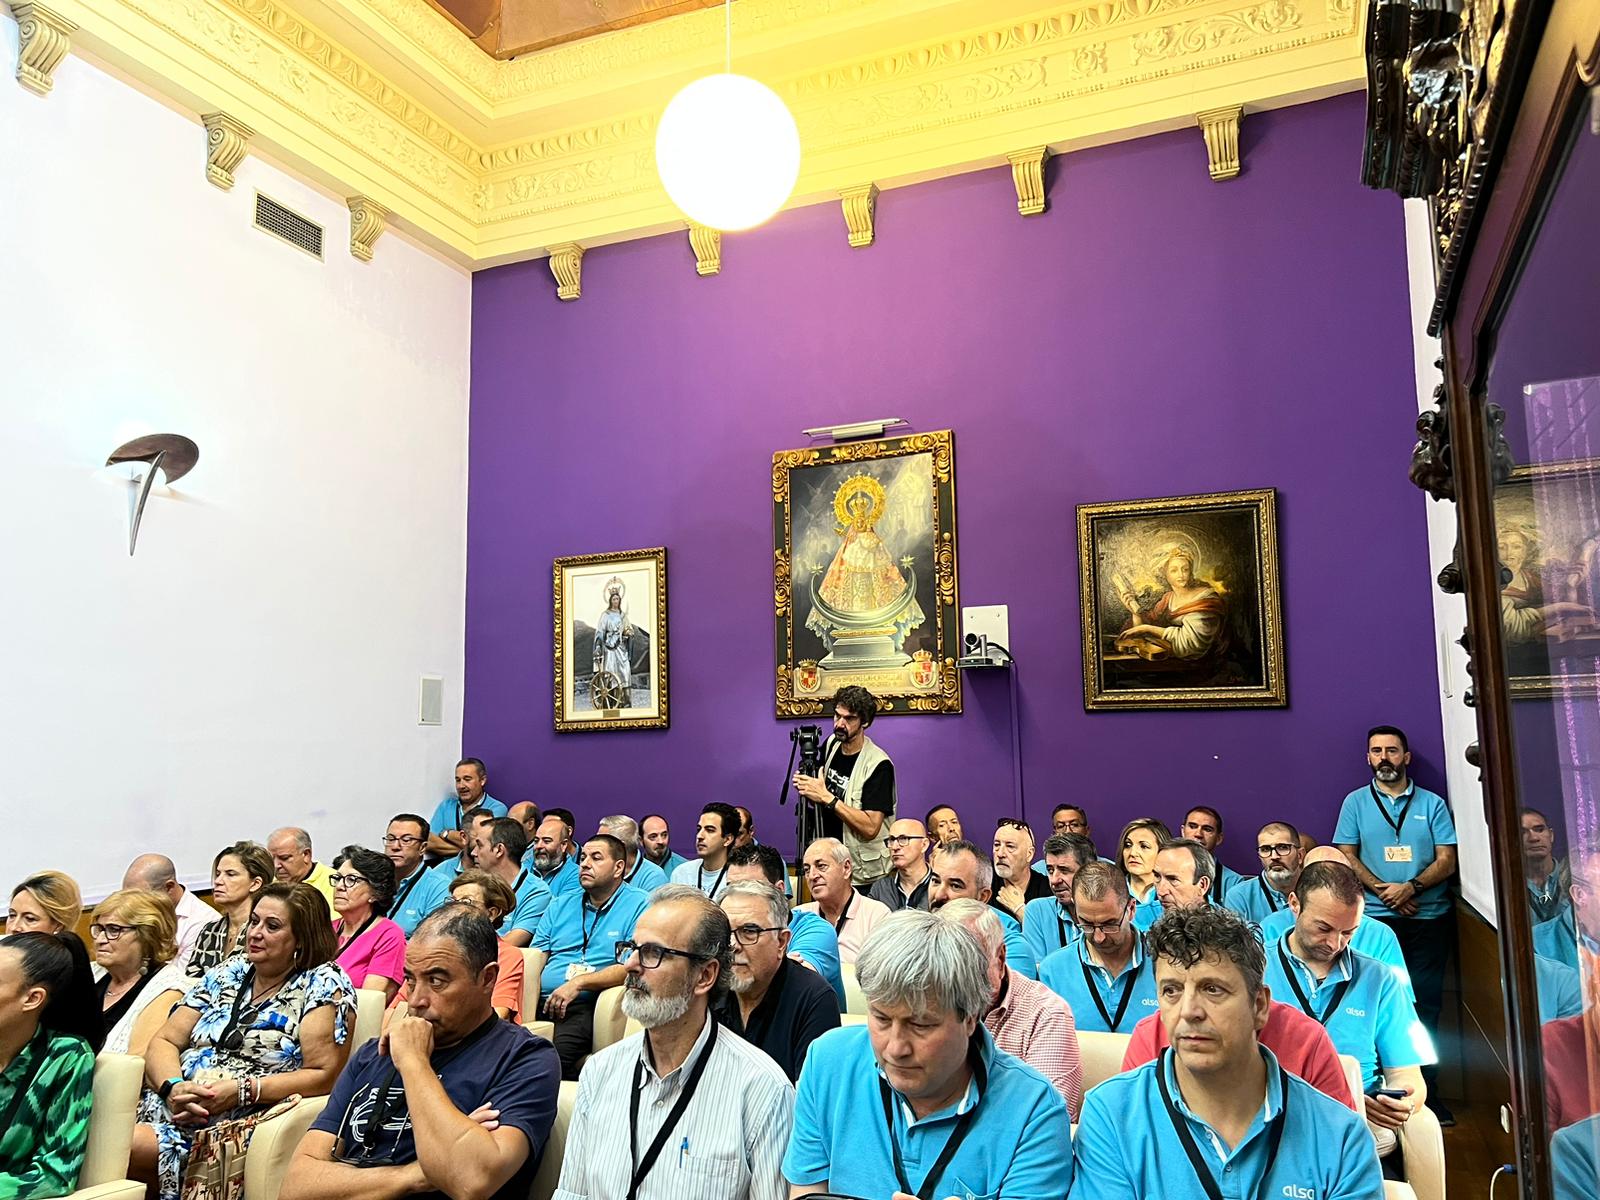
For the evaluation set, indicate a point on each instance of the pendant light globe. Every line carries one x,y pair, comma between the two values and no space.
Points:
727,151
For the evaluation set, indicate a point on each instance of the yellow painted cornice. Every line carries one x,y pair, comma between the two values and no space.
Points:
493,162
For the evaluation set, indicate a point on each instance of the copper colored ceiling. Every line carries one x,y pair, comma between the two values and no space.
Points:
506,28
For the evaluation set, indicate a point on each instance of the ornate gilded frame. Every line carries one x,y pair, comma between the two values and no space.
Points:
944,693
1273,691
567,720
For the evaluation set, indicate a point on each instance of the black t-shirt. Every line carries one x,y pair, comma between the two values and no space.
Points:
799,1007
877,794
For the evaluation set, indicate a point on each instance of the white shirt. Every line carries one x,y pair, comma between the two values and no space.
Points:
728,1145
194,914
860,916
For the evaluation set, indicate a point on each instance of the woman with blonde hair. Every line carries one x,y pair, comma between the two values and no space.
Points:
134,936
45,902
1142,838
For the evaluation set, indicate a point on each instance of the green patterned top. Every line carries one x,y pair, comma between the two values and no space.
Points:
42,1149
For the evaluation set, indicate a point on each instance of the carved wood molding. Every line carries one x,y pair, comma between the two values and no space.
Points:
44,36
367,221
226,143
566,264
1220,128
707,246
860,205
1027,176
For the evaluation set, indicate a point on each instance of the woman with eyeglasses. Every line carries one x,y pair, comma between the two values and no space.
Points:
49,1031
1142,839
238,873
135,941
259,1027
46,902
372,948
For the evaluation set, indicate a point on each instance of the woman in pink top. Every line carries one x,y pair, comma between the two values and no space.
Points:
372,948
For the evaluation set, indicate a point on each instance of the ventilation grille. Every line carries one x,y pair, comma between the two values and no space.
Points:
280,222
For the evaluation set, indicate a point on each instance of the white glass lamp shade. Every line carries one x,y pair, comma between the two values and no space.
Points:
728,151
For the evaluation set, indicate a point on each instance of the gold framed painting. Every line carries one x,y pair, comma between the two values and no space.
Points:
1180,603
864,574
1547,523
611,641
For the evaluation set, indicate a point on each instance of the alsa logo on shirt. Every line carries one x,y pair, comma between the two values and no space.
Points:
1299,1193
1355,1012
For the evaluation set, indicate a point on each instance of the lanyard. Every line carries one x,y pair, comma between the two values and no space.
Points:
642,1168
838,926
957,1135
399,900
599,915
389,1095
1094,994
1305,1005
246,987
1393,822
700,879
25,1084
1061,923
365,925
1266,894
1216,886
1180,1126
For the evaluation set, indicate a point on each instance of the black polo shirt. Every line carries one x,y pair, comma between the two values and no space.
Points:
887,891
799,1007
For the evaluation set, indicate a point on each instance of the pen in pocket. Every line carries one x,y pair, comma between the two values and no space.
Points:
683,1148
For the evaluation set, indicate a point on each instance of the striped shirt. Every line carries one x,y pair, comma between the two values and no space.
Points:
1034,1024
728,1145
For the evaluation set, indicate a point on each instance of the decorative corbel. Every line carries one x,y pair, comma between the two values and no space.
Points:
860,208
367,221
1027,175
707,246
43,37
226,142
566,264
1220,128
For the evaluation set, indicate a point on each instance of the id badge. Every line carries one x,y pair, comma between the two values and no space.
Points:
1397,854
577,969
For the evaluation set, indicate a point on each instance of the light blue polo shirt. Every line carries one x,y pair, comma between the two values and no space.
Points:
1375,1022
563,881
1255,899
1575,1160
816,941
446,871
1219,892
1019,955
533,898
1373,938
572,931
674,861
447,813
418,895
1127,1144
693,873
1063,973
1558,939
646,877
1047,927
1147,912
1560,994
1427,826
1014,1148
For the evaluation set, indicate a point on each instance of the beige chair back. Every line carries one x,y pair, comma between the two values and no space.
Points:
555,1146
117,1079
272,1147
531,959
369,1017
855,1000
848,1019
1102,1056
610,1025
1352,1078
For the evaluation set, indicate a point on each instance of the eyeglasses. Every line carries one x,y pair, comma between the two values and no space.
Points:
1012,823
404,839
749,935
1279,848
1090,928
650,954
905,839
110,932
346,881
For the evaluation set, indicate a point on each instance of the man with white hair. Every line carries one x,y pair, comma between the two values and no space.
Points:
1017,882
962,1117
1026,1018
852,915
685,1109
158,873
641,873
293,862
777,1005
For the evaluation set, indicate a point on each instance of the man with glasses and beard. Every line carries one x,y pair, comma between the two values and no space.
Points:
1013,858
777,1005
1401,842
1104,975
1258,897
854,793
400,1119
685,1110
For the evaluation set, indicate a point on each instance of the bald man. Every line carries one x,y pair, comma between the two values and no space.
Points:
157,873
906,885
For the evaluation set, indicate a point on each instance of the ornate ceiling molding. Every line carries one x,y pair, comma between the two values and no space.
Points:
497,161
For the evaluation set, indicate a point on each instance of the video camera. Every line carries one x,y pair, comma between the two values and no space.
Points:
808,742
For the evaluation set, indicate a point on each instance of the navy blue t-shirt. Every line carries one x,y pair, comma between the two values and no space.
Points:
506,1067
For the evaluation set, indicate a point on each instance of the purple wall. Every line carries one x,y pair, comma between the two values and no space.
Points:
1153,334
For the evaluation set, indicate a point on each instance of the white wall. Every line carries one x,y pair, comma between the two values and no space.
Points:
1449,612
256,663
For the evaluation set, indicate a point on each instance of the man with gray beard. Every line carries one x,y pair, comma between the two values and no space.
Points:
1257,898
685,1110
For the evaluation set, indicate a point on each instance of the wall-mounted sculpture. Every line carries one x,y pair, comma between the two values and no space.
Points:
170,453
